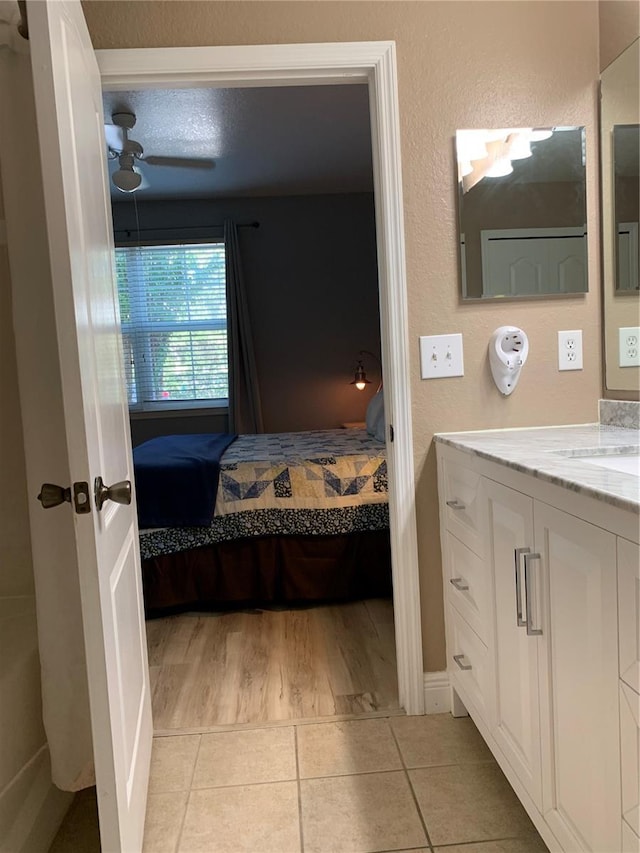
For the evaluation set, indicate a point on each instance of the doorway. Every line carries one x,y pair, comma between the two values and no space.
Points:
373,63
313,635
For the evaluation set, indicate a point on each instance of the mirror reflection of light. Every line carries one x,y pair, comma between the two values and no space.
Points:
497,135
500,167
519,146
540,135
471,145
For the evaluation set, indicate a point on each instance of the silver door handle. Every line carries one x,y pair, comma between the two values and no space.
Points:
455,504
459,583
52,495
458,660
120,493
531,631
518,552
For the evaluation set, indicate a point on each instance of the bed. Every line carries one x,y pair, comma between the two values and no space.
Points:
298,518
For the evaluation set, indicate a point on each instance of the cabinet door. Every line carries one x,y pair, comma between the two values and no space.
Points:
629,612
574,583
516,725
630,756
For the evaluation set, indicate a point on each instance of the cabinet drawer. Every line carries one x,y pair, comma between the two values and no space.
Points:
628,610
469,664
630,841
468,585
630,755
461,504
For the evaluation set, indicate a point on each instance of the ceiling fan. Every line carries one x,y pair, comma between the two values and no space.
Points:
130,153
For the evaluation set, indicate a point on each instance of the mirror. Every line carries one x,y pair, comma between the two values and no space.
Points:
626,198
522,212
619,120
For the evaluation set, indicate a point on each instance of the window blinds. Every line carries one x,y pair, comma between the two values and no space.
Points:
174,324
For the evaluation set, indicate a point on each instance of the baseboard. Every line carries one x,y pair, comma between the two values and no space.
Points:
32,808
437,693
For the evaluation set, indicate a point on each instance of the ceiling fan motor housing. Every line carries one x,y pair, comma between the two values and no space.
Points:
126,150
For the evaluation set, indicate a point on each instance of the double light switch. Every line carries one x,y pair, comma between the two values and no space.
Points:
441,355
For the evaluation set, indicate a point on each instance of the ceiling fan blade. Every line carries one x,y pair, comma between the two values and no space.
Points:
114,136
180,162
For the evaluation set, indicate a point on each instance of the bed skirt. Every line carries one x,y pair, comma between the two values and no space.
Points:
269,570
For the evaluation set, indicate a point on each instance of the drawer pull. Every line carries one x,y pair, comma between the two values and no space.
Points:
518,553
459,583
455,504
458,660
531,631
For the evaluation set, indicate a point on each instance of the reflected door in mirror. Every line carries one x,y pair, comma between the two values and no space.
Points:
522,212
626,193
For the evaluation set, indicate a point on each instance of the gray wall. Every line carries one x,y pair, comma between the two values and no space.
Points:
311,278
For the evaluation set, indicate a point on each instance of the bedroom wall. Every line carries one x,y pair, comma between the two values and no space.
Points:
311,279
463,64
30,807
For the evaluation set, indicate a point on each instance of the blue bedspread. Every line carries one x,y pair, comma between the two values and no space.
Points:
177,478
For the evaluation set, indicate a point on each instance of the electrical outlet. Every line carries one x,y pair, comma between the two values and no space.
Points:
570,350
629,342
441,355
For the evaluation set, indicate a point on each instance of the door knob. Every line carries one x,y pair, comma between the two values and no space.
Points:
52,495
120,493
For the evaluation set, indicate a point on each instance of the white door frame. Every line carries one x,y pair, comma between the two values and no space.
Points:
324,64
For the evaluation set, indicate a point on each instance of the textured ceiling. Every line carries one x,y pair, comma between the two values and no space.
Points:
288,140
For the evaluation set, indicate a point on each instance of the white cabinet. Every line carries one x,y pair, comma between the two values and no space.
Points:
516,725
629,650
629,606
554,679
576,585
630,748
467,585
461,510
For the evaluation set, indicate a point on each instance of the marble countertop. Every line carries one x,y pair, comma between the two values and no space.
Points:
553,454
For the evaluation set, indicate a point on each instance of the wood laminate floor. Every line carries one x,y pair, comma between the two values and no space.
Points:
215,669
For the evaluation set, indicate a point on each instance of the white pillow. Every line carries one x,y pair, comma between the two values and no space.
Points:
375,417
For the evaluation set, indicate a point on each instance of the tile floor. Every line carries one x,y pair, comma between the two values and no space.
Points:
363,786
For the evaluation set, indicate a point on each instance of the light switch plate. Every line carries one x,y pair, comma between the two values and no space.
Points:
629,346
570,350
441,355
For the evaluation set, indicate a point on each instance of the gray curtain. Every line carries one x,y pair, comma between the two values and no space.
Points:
245,410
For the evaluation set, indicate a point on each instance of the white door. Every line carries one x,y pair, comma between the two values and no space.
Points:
575,583
70,128
516,727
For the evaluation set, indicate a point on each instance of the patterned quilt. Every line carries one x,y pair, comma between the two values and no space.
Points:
316,482
318,470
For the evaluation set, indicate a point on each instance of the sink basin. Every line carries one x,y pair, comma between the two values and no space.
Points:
626,463
623,458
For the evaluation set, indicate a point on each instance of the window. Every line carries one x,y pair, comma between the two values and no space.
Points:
174,325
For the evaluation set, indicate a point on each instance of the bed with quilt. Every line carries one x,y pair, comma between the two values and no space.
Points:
250,520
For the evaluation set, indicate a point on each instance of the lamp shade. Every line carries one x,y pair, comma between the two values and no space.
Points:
360,378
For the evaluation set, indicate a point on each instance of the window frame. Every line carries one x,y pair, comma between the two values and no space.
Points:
170,408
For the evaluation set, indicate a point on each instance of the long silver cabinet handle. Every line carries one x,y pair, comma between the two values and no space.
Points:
458,660
459,583
455,504
518,553
531,631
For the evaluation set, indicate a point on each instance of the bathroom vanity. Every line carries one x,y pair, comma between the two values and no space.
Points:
540,532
